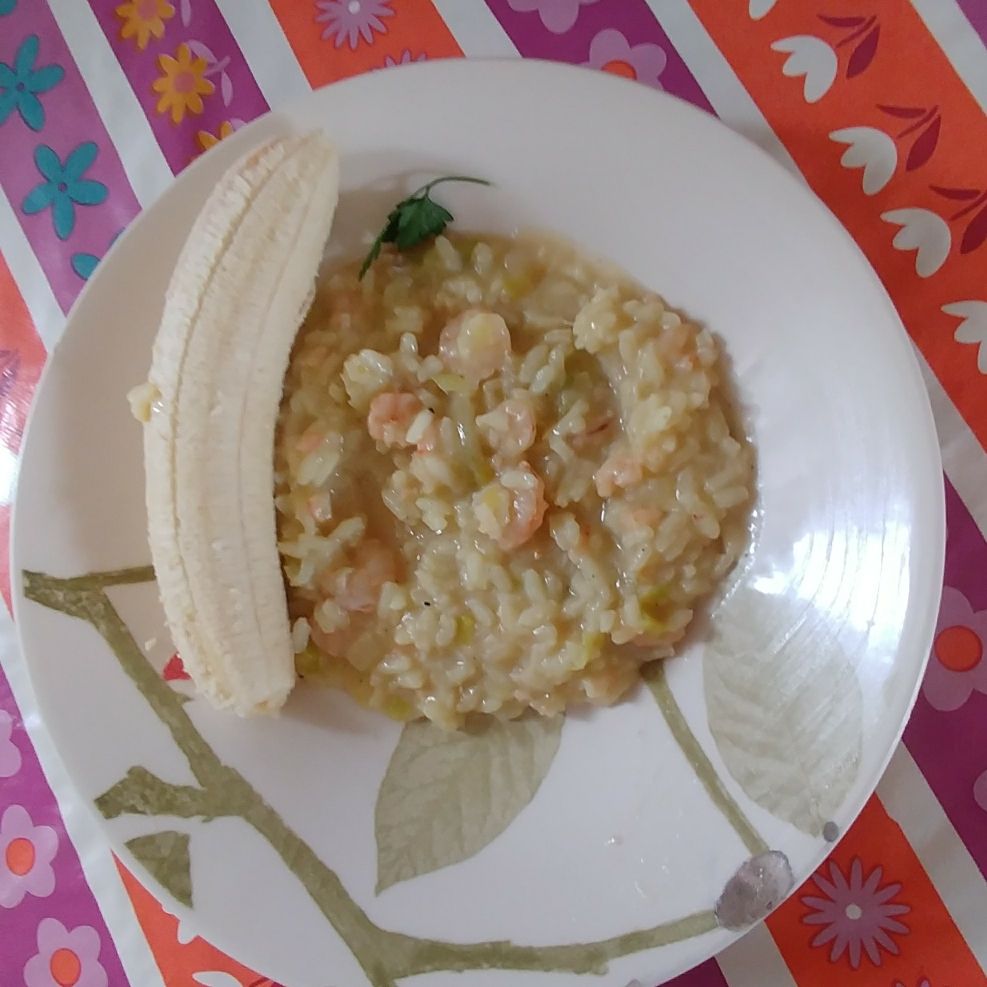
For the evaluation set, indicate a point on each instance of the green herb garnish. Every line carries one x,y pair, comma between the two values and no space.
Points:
415,219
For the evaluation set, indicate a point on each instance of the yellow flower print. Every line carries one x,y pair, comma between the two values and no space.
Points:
144,19
207,140
183,84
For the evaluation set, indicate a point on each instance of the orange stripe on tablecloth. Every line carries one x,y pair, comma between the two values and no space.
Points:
413,30
22,356
180,962
892,62
874,859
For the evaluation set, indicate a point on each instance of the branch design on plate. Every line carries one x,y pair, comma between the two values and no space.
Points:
386,957
658,684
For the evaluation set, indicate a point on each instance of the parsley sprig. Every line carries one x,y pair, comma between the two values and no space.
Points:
415,219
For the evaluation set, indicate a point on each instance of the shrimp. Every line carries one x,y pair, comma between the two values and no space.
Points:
375,565
621,470
511,509
475,344
390,417
510,427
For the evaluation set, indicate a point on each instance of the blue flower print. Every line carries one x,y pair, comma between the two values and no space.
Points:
21,83
65,187
7,6
84,264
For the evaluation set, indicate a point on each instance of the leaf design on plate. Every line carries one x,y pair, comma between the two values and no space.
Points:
165,855
784,706
864,53
446,795
924,145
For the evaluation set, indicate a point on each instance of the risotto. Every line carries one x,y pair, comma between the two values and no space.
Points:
505,476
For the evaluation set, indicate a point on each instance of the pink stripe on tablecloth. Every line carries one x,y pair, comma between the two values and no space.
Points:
604,29
950,747
196,22
706,975
71,902
70,118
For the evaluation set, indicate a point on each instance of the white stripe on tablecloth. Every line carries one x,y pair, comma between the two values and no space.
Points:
257,31
963,458
44,310
960,42
911,803
754,961
80,823
477,32
730,100
122,115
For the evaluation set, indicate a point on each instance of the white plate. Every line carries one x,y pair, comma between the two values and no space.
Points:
772,729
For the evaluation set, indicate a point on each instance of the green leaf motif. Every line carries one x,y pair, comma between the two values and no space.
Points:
165,855
447,795
784,706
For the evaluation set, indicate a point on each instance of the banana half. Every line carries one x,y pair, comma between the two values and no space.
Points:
243,283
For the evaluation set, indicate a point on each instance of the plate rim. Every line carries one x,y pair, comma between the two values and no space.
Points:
243,139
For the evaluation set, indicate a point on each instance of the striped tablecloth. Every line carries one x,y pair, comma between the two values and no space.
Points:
878,104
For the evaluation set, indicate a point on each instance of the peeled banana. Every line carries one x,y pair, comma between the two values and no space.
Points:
243,283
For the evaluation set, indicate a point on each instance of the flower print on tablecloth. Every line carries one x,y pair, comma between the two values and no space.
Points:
406,59
349,21
144,19
65,186
26,853
65,957
84,263
23,82
857,916
612,52
980,791
215,66
956,666
207,140
10,754
7,6
182,84
558,16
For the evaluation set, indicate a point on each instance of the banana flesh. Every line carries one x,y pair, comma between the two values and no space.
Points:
241,288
